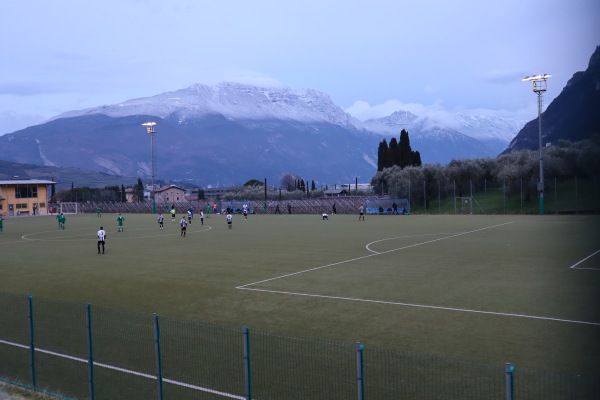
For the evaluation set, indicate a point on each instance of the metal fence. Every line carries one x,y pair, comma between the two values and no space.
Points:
509,196
75,351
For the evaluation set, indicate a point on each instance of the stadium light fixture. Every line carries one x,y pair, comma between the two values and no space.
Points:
151,131
539,87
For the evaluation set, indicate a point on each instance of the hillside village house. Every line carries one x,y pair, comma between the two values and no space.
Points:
169,194
24,197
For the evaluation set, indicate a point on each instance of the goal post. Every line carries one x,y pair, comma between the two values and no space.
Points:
463,205
68,208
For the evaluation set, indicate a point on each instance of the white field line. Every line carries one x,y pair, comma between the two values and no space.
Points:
574,266
428,306
371,255
247,286
127,371
368,246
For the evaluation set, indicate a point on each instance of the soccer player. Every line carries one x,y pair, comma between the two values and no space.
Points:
361,213
120,220
101,239
325,216
245,207
183,224
99,212
161,221
1,223
229,220
61,220
201,217
190,216
172,213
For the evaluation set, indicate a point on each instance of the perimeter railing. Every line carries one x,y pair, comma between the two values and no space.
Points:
77,351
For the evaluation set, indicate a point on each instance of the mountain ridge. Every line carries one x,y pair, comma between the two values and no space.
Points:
227,134
573,115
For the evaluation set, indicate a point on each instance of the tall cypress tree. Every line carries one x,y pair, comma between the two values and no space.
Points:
382,155
393,153
405,158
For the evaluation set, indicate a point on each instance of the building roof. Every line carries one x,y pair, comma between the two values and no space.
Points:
162,189
336,191
26,182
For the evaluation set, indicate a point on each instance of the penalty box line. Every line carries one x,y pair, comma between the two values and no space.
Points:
574,266
371,255
465,310
433,307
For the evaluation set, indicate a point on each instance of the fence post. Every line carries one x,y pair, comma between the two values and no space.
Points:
454,194
88,326
555,199
576,197
31,341
247,370
360,371
521,198
439,198
159,377
504,194
509,369
424,196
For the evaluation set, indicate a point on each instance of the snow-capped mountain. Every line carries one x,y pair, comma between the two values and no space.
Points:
467,135
486,126
230,133
221,135
234,101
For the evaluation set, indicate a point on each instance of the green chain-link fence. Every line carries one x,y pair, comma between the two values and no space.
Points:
82,352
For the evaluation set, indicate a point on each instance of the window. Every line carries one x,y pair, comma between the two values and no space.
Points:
26,191
21,205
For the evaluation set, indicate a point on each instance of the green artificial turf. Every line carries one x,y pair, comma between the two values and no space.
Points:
343,279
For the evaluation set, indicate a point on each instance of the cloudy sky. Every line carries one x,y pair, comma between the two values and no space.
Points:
372,57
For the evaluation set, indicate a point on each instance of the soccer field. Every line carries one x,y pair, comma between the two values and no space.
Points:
489,289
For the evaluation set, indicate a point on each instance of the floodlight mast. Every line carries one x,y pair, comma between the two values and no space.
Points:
539,87
151,131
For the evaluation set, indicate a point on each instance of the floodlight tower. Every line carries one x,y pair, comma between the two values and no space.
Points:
151,131
539,87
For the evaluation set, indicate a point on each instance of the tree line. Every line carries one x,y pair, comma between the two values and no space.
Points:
562,160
